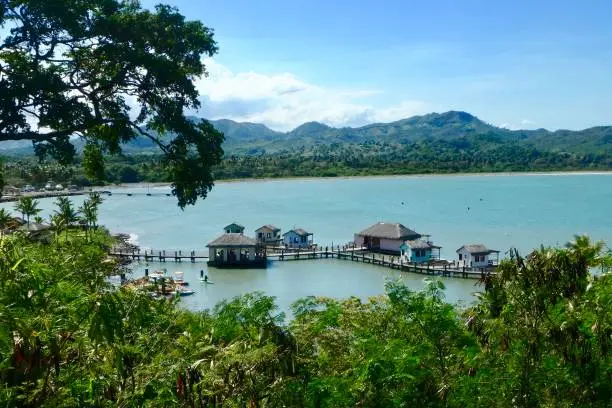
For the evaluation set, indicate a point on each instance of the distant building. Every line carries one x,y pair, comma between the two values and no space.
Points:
297,238
234,228
419,251
235,250
477,256
385,237
11,190
268,235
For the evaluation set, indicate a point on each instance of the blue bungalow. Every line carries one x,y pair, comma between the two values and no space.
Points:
297,238
419,251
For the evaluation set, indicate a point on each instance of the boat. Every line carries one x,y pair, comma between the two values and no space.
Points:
158,274
179,279
206,281
183,291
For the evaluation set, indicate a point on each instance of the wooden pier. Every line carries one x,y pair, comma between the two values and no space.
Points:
393,262
160,255
347,253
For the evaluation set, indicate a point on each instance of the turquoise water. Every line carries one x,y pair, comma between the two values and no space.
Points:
500,211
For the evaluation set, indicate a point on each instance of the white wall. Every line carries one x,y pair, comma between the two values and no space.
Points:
385,244
469,260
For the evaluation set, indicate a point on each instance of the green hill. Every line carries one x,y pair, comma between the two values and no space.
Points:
254,138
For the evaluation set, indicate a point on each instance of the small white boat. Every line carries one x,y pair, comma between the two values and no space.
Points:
179,279
183,291
157,274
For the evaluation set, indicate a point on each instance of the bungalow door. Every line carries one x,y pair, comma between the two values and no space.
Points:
375,243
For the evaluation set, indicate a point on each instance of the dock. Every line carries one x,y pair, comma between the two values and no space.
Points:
345,253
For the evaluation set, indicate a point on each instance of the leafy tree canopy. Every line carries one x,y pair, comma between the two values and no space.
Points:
107,71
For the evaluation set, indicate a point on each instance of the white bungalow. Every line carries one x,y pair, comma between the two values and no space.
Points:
477,256
297,238
235,250
419,251
385,237
268,235
234,228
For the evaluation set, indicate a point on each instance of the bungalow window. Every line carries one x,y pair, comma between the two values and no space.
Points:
480,258
461,257
268,235
260,235
419,253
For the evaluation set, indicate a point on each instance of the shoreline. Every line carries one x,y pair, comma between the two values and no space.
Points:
374,176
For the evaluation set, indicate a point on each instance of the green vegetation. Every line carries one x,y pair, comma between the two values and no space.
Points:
540,335
437,143
480,153
107,71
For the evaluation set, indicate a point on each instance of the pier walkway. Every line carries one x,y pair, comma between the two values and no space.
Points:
347,253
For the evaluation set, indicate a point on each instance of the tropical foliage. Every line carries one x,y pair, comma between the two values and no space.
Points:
71,67
540,335
28,207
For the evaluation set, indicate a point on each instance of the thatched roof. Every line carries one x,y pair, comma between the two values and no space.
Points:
233,240
421,244
390,231
477,249
268,227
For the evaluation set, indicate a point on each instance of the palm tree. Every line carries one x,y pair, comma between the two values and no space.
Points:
89,214
57,224
66,212
27,207
5,220
95,198
38,219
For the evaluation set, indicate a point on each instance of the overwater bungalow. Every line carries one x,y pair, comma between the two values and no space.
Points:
235,250
419,251
298,238
234,228
477,256
268,235
385,237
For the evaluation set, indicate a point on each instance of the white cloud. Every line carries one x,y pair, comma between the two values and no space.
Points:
527,122
283,101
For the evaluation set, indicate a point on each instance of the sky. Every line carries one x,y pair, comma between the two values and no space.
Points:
516,64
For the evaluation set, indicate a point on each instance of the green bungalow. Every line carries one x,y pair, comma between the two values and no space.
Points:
234,228
419,251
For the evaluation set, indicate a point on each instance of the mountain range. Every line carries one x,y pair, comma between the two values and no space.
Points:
254,138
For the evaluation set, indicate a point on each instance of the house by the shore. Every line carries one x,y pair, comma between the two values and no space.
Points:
419,251
268,235
297,238
385,237
235,250
477,256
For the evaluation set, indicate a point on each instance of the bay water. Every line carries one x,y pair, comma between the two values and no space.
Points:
500,211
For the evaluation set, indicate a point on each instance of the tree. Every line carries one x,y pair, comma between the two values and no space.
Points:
5,220
542,320
89,214
66,212
27,207
108,72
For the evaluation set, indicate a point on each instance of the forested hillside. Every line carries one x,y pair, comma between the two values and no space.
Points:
253,138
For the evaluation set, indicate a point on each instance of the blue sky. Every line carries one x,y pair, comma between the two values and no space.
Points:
520,64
